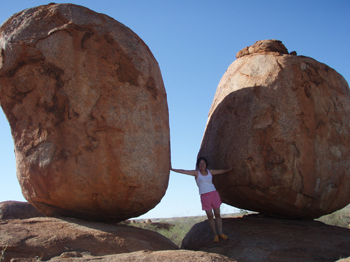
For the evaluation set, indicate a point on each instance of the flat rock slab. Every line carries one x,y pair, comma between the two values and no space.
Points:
51,237
261,238
18,210
156,256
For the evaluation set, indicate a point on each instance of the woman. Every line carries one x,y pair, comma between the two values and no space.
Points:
210,198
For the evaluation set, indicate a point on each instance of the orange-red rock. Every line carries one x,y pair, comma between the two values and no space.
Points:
50,237
282,122
151,256
87,108
18,210
263,46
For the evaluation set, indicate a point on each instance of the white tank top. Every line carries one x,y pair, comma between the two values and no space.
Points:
205,183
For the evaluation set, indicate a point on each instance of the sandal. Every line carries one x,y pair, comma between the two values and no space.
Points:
223,236
216,239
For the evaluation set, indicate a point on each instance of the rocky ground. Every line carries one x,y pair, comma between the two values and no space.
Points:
261,238
50,237
252,237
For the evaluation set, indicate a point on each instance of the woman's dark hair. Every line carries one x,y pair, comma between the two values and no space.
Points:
199,160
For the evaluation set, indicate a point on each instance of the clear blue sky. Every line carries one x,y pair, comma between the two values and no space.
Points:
194,42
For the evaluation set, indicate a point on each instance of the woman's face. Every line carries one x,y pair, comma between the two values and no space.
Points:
202,165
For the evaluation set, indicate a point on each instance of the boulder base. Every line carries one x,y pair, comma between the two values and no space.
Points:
261,238
88,113
152,256
18,210
51,237
283,123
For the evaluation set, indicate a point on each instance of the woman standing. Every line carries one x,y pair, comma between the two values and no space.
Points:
210,198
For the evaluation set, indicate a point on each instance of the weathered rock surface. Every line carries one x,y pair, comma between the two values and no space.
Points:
18,210
282,122
149,256
263,46
88,113
51,237
260,238
344,260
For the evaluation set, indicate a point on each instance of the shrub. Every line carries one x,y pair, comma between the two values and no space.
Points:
176,230
179,226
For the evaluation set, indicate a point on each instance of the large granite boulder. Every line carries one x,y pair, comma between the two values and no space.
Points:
283,123
46,238
88,113
261,238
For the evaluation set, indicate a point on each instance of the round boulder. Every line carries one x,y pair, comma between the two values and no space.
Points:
88,113
283,123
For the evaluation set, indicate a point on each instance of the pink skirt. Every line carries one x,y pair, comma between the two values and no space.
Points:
210,200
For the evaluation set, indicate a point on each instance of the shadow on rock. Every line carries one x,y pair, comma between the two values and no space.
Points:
18,210
261,238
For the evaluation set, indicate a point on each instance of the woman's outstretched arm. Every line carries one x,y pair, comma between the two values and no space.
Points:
186,172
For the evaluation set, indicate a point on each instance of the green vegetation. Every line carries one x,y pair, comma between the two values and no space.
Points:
178,226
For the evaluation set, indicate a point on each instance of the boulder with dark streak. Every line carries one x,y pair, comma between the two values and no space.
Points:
283,123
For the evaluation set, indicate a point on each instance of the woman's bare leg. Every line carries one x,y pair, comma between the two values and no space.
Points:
211,220
218,219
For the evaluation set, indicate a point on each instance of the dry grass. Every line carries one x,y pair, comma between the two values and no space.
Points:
177,229
179,226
